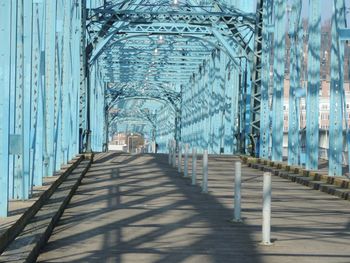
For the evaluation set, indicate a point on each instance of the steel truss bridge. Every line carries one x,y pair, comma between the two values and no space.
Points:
205,72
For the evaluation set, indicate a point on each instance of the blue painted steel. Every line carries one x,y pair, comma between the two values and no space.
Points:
21,98
277,100
337,79
50,89
192,75
13,84
27,99
5,57
295,28
32,100
265,82
312,105
37,109
247,87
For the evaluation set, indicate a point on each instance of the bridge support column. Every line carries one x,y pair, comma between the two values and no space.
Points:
5,57
313,89
277,108
337,91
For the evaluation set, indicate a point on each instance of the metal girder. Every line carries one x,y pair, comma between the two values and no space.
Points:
277,108
228,17
336,91
295,35
255,97
145,91
5,56
312,105
265,81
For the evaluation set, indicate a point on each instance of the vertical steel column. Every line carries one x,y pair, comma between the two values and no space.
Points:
265,82
312,105
203,106
78,31
50,63
228,112
18,191
279,49
23,99
216,98
27,95
211,98
235,110
66,91
83,69
222,103
337,78
58,84
13,92
5,57
293,122
38,103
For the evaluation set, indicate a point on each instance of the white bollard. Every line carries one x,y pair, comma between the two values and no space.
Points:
237,201
266,226
186,160
174,154
179,167
205,172
194,166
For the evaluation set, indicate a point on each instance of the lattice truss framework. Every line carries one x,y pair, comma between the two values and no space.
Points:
74,72
155,47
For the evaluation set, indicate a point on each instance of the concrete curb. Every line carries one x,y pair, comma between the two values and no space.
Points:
13,231
338,186
38,228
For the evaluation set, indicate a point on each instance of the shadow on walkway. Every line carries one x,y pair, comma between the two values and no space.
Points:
138,209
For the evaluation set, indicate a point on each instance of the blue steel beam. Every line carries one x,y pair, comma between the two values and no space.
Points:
265,81
27,98
37,143
277,108
336,100
312,105
5,57
23,100
295,28
32,91
50,73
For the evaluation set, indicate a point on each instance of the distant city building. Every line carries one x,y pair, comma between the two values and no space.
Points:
324,106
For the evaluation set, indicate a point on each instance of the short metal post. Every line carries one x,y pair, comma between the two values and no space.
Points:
266,227
238,182
179,169
186,160
205,172
194,166
174,154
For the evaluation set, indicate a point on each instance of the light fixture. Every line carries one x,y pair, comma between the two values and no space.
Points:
161,40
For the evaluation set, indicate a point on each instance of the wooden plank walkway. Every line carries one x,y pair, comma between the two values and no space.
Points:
138,209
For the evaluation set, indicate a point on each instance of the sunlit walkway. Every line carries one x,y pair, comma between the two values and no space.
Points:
138,209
